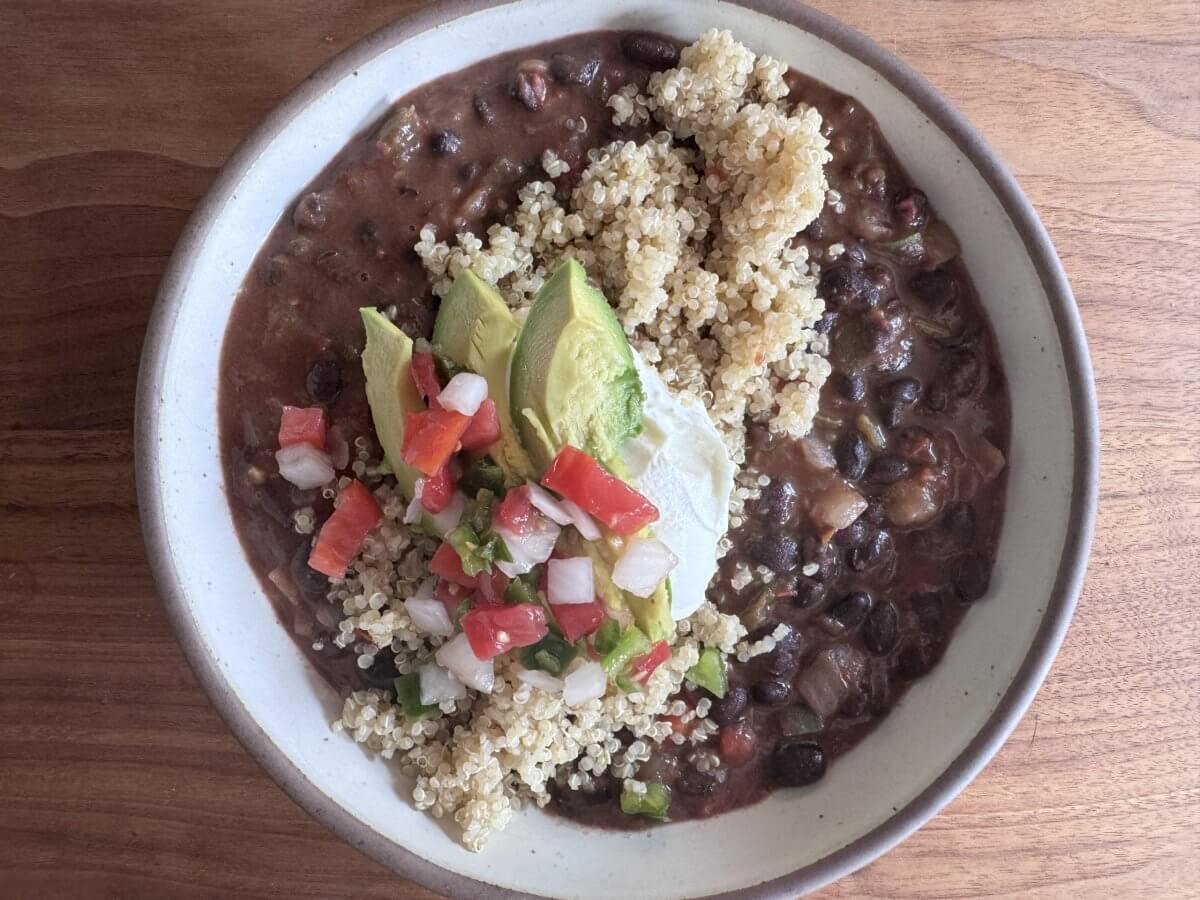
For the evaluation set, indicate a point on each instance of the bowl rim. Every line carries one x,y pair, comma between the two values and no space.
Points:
1059,608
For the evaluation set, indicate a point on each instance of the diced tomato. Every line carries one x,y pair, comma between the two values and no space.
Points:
641,667
430,438
424,373
301,425
516,512
451,596
437,490
343,533
492,630
582,480
490,586
484,429
577,619
736,744
447,565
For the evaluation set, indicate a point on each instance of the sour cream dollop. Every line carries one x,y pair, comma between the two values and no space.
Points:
680,463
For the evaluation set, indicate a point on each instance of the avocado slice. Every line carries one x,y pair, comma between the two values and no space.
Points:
475,329
391,393
573,380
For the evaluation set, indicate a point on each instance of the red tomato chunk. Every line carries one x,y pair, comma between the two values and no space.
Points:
484,429
343,533
447,565
425,377
737,744
431,437
582,480
642,667
516,511
490,587
437,490
300,425
492,630
577,619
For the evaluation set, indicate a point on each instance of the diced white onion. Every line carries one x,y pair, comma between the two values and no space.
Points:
415,510
527,550
465,392
643,566
429,616
541,680
571,580
447,520
584,523
304,466
586,683
460,659
438,685
545,502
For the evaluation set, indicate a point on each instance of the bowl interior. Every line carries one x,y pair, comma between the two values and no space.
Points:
255,667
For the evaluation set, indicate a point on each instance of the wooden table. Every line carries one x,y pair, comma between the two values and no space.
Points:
117,779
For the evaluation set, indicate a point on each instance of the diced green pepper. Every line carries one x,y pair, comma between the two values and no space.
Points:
408,696
447,368
653,803
520,591
481,475
479,513
632,643
607,636
551,654
711,672
477,554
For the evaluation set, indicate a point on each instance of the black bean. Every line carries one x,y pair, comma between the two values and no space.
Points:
310,582
798,763
852,455
729,708
937,288
446,143
917,658
886,470
381,673
484,109
972,578
784,663
470,171
884,283
881,628
930,614
817,229
779,502
875,553
778,551
809,592
855,256
851,610
891,415
912,210
857,532
851,385
772,692
876,512
826,323
901,390
825,556
311,212
650,51
324,379
568,69
695,783
530,88
843,285
959,520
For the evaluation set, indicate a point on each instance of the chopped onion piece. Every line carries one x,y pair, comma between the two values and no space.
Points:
438,685
464,393
583,522
527,550
415,509
338,449
547,504
429,616
304,466
588,682
643,566
460,659
447,520
541,680
570,581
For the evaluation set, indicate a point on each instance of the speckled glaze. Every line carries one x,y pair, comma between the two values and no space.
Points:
939,737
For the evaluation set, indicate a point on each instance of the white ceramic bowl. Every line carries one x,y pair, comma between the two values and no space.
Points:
944,730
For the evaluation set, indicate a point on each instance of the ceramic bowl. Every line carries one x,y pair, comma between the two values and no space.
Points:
944,730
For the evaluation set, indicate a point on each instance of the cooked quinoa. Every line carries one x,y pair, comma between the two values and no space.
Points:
692,245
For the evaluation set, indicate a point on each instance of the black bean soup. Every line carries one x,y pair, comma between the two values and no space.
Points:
915,415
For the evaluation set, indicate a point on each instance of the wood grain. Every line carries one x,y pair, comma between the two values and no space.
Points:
116,777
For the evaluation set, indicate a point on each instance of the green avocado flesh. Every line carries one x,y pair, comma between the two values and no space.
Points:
573,379
476,330
391,393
